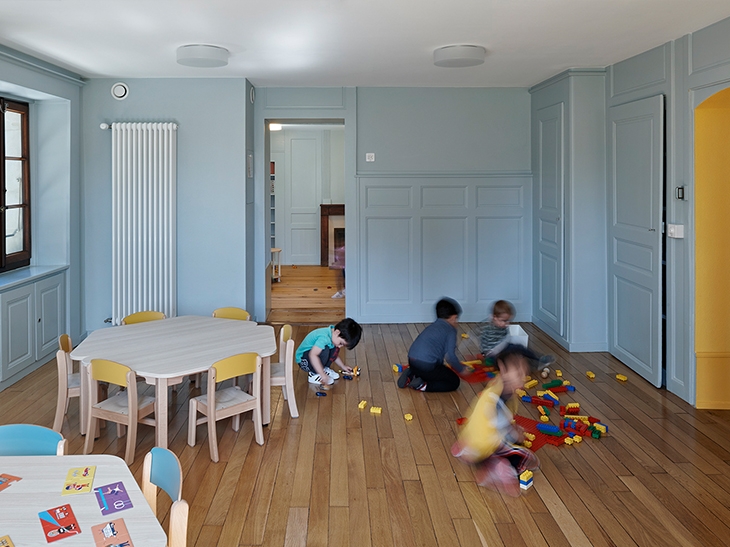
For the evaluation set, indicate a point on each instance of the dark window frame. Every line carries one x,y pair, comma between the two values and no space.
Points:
22,258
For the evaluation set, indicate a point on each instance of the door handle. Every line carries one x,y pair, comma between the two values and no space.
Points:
652,229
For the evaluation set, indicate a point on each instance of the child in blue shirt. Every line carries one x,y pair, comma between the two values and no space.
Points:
321,347
426,370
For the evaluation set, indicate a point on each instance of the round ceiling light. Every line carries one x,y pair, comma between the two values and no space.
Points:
199,55
459,56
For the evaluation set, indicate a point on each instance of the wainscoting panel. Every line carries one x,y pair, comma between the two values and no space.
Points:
427,236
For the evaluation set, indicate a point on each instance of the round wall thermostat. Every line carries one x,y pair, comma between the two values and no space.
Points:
120,91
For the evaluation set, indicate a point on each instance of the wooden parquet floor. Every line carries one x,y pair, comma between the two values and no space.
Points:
338,476
304,297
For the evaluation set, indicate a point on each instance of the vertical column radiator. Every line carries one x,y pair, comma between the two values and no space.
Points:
143,218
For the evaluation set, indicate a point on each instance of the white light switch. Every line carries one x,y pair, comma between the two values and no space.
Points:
369,156
675,230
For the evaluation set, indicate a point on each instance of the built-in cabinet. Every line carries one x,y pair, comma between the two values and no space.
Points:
569,209
32,317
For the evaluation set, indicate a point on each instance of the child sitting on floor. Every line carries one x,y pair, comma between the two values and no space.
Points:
495,329
321,347
489,436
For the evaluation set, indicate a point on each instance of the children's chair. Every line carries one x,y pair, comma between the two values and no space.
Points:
125,408
282,373
30,440
231,401
232,313
143,317
162,469
69,382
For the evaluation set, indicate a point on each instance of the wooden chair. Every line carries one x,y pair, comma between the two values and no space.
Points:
162,469
143,317
232,313
231,401
124,408
30,440
69,382
282,373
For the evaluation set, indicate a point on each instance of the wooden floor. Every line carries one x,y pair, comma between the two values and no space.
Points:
304,297
338,476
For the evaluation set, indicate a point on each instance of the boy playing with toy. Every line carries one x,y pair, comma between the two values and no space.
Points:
489,436
321,347
426,370
495,329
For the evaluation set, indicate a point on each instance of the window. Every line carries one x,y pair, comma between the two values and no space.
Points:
14,185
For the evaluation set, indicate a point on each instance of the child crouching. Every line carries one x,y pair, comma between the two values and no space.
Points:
489,436
321,348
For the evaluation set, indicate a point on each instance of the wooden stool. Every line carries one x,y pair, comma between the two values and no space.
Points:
275,264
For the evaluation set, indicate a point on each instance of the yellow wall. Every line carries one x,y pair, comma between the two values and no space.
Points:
712,246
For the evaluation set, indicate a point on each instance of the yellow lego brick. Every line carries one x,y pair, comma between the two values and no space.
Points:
552,394
375,410
566,382
529,436
530,384
621,378
527,444
559,373
568,441
520,392
590,375
577,439
576,417
544,418
572,405
600,427
528,378
464,335
362,405
408,417
540,392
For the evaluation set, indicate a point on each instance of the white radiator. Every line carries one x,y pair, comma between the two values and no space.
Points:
143,218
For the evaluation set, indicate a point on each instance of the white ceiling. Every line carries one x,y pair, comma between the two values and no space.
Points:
348,42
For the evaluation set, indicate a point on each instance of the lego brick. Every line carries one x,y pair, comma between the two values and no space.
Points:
590,375
559,373
554,383
530,384
376,410
362,405
621,378
408,417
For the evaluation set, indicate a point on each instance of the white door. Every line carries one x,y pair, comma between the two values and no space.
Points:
636,182
549,188
303,194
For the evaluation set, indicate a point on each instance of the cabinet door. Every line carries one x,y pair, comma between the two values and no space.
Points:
549,185
17,307
50,313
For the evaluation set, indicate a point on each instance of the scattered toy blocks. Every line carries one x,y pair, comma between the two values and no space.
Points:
554,383
530,384
362,405
321,394
590,375
544,418
408,417
621,378
526,479
376,410
397,367
464,335
559,373
520,392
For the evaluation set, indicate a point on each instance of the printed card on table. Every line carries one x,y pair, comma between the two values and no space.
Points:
112,498
5,541
5,481
79,480
111,534
59,523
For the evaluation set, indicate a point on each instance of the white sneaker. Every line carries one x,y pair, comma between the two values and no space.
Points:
316,379
338,294
331,373
343,292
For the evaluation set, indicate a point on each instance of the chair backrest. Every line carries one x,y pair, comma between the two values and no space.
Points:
162,469
232,313
30,440
103,370
143,317
284,334
64,343
236,365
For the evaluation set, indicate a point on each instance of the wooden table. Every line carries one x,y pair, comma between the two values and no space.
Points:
164,352
42,480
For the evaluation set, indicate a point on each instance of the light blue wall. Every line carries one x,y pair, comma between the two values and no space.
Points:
211,187
55,96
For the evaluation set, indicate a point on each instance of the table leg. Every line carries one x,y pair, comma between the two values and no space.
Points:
83,396
265,390
161,412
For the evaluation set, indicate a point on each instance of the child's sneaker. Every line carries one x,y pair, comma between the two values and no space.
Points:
316,379
418,384
339,294
331,373
405,378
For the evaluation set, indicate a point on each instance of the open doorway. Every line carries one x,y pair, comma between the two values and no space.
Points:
307,220
712,251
